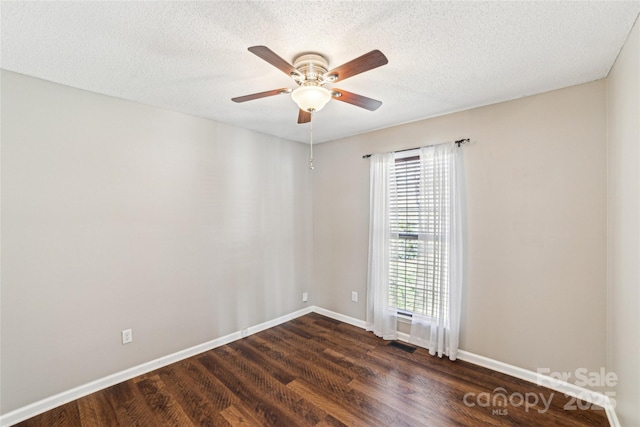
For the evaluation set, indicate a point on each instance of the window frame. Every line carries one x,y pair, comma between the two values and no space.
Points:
405,313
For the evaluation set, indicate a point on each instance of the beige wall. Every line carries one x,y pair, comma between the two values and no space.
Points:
117,215
536,295
623,214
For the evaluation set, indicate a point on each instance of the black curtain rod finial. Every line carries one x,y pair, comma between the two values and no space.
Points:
461,141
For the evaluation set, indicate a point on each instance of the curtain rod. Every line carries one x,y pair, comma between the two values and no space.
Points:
459,142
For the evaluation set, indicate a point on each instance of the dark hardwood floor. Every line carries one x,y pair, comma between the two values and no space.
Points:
315,371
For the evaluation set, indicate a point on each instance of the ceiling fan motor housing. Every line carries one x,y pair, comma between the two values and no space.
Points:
312,67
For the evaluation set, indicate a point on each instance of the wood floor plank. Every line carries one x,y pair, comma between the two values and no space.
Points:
65,415
129,405
237,416
331,421
316,371
277,405
256,350
162,402
201,407
423,414
94,410
338,411
413,389
216,393
340,393
260,405
326,379
312,355
331,334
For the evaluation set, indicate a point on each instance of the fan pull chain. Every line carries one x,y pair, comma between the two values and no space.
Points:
311,142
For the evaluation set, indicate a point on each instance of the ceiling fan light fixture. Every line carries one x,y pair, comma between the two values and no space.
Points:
311,98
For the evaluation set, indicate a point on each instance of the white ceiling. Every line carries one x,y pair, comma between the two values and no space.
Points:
192,56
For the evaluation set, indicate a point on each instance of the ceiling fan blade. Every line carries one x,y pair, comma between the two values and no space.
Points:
303,117
272,58
363,63
355,99
261,95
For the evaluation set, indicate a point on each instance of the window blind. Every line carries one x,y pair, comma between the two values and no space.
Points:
418,224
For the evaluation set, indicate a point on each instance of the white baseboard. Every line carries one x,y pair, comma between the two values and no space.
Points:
340,317
33,409
514,371
611,415
49,403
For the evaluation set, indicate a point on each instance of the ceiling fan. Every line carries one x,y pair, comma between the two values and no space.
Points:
310,71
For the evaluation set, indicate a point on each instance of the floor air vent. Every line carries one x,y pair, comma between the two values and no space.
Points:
402,347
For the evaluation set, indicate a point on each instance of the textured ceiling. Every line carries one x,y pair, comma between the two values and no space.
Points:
192,56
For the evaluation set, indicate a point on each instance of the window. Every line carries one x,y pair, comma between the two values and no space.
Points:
418,277
416,245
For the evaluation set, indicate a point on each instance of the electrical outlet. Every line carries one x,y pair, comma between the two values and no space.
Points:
354,296
244,333
305,296
127,336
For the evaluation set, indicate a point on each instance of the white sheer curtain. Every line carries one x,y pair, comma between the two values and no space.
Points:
442,187
380,318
